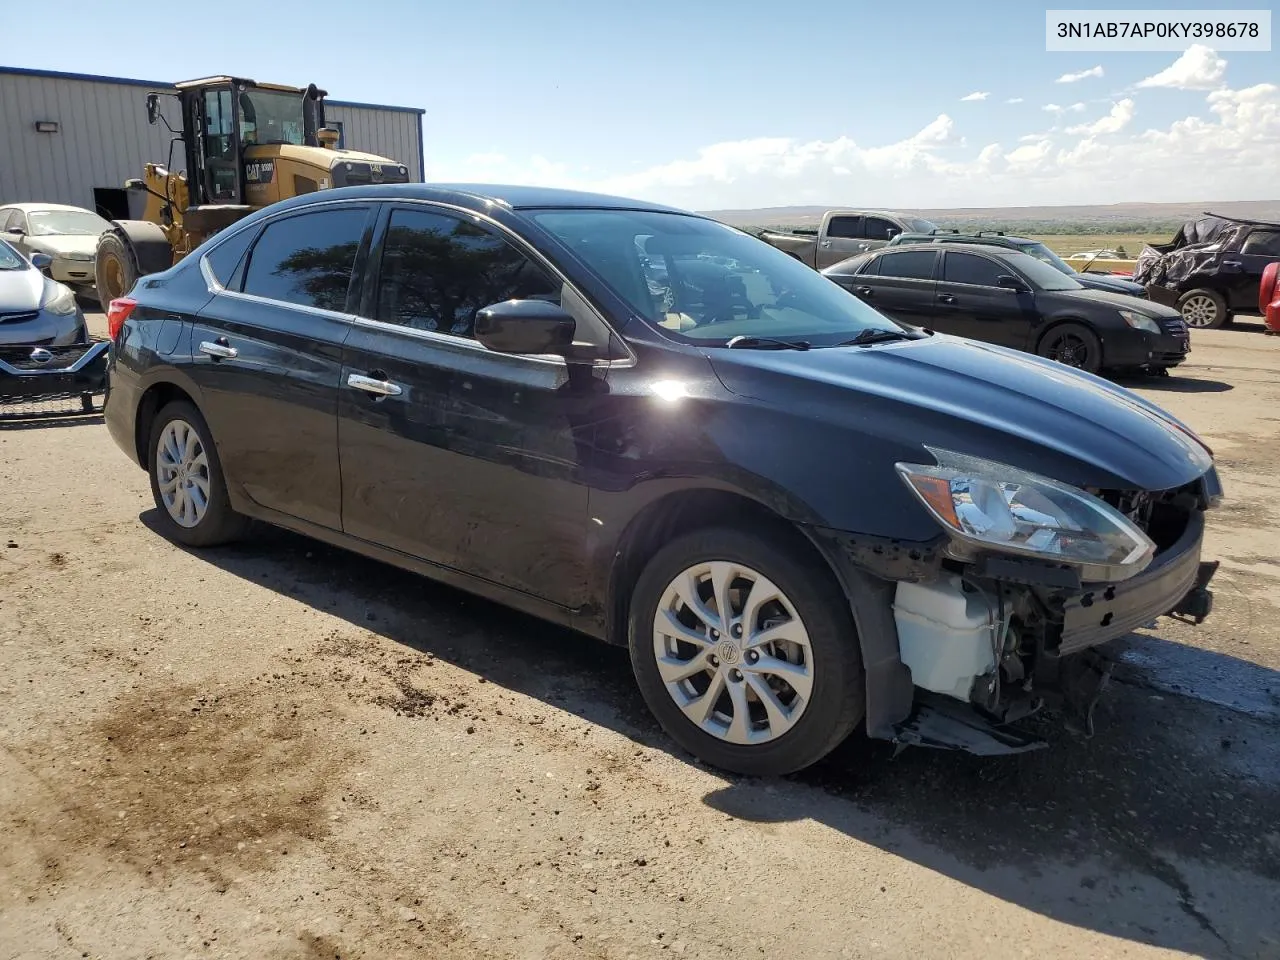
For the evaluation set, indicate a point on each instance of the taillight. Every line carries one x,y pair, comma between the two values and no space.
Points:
117,313
1267,289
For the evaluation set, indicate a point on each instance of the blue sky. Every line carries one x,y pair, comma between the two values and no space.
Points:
712,104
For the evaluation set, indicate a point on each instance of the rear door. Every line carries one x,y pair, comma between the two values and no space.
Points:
267,355
841,239
1260,247
450,452
899,284
974,305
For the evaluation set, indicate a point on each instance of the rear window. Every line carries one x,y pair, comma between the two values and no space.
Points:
971,268
845,228
307,259
909,265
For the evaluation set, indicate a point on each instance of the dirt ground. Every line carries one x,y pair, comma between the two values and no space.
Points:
284,751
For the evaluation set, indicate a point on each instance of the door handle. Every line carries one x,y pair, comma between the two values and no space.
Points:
1233,264
826,243
380,388
219,349
864,291
946,298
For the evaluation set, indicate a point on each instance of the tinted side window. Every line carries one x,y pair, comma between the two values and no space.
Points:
226,258
438,271
307,259
970,268
1262,242
876,228
910,265
845,228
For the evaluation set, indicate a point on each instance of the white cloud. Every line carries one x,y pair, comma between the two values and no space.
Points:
1115,121
976,95
1055,108
1082,75
1199,68
1106,160
1014,100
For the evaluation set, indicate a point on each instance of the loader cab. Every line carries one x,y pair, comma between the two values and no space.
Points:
225,116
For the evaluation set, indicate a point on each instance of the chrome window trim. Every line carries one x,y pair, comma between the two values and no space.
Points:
215,286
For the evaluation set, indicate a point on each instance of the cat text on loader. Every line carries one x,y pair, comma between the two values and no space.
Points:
245,145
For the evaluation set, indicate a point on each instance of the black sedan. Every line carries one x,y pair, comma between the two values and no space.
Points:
46,353
664,433
1010,298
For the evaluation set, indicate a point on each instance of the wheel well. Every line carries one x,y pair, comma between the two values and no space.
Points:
1062,321
674,515
152,402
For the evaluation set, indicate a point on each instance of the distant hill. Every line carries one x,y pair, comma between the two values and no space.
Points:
1101,218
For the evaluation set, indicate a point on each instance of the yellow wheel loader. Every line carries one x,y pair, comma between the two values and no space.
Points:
246,145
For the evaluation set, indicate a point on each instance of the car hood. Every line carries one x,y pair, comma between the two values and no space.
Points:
1120,301
58,244
1094,281
21,290
976,399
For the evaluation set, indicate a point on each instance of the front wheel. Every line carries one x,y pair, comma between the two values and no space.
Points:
1073,345
115,268
1204,309
187,482
744,649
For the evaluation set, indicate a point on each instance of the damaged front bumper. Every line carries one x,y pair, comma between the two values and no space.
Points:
1051,657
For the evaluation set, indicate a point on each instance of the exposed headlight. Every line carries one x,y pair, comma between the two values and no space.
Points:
998,507
63,303
1140,321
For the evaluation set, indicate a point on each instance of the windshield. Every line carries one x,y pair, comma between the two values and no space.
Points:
1043,275
269,116
705,283
9,259
916,225
1045,255
76,223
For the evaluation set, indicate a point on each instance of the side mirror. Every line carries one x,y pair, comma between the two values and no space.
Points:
16,232
41,261
525,326
1010,282
153,107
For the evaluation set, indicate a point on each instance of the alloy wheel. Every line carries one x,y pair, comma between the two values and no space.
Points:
182,472
1199,311
733,653
1069,350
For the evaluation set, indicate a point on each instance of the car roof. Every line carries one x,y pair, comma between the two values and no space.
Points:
29,207
930,245
478,196
998,240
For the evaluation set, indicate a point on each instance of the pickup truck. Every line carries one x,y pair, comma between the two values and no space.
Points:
843,234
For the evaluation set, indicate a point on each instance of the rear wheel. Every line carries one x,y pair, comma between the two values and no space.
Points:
1073,345
745,650
1203,308
187,481
115,268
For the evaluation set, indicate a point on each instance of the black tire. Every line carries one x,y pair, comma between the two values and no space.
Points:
115,268
836,703
1073,345
1204,309
219,524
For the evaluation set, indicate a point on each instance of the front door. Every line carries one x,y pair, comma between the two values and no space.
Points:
450,452
840,240
969,296
268,359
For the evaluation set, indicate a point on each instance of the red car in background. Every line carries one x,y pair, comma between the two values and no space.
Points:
1269,297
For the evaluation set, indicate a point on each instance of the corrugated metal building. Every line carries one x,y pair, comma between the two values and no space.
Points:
76,138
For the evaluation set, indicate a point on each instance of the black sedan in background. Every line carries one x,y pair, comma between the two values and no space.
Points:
1007,297
662,432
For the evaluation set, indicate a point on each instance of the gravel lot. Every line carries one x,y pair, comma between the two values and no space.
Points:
284,751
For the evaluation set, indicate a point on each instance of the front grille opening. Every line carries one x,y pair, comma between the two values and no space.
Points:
1163,515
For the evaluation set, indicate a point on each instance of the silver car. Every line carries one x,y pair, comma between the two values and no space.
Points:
68,235
46,352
